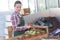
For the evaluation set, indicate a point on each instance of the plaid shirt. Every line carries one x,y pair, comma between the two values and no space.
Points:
15,21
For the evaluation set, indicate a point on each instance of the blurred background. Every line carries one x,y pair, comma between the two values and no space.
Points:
7,6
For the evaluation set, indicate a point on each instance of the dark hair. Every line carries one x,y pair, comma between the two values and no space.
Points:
17,2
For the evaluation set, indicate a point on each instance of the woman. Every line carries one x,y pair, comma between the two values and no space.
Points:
18,23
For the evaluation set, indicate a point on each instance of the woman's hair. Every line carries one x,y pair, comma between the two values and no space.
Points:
17,2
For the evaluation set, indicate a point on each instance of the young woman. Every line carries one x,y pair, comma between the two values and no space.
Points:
18,23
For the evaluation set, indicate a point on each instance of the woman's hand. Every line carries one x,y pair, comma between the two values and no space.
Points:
28,26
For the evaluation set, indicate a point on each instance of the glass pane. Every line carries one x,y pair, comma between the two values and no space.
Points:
25,3
11,4
41,5
8,24
8,17
8,20
59,3
32,6
3,5
6,31
52,3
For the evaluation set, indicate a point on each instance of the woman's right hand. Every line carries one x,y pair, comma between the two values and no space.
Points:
29,24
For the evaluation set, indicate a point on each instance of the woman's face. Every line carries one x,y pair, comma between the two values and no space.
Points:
17,8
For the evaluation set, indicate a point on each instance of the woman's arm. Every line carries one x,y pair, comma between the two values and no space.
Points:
23,27
15,22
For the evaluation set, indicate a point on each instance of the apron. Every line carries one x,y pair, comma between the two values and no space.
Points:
22,23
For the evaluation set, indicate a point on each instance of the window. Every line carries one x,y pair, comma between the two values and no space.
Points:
59,3
52,3
32,6
4,5
25,3
41,5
